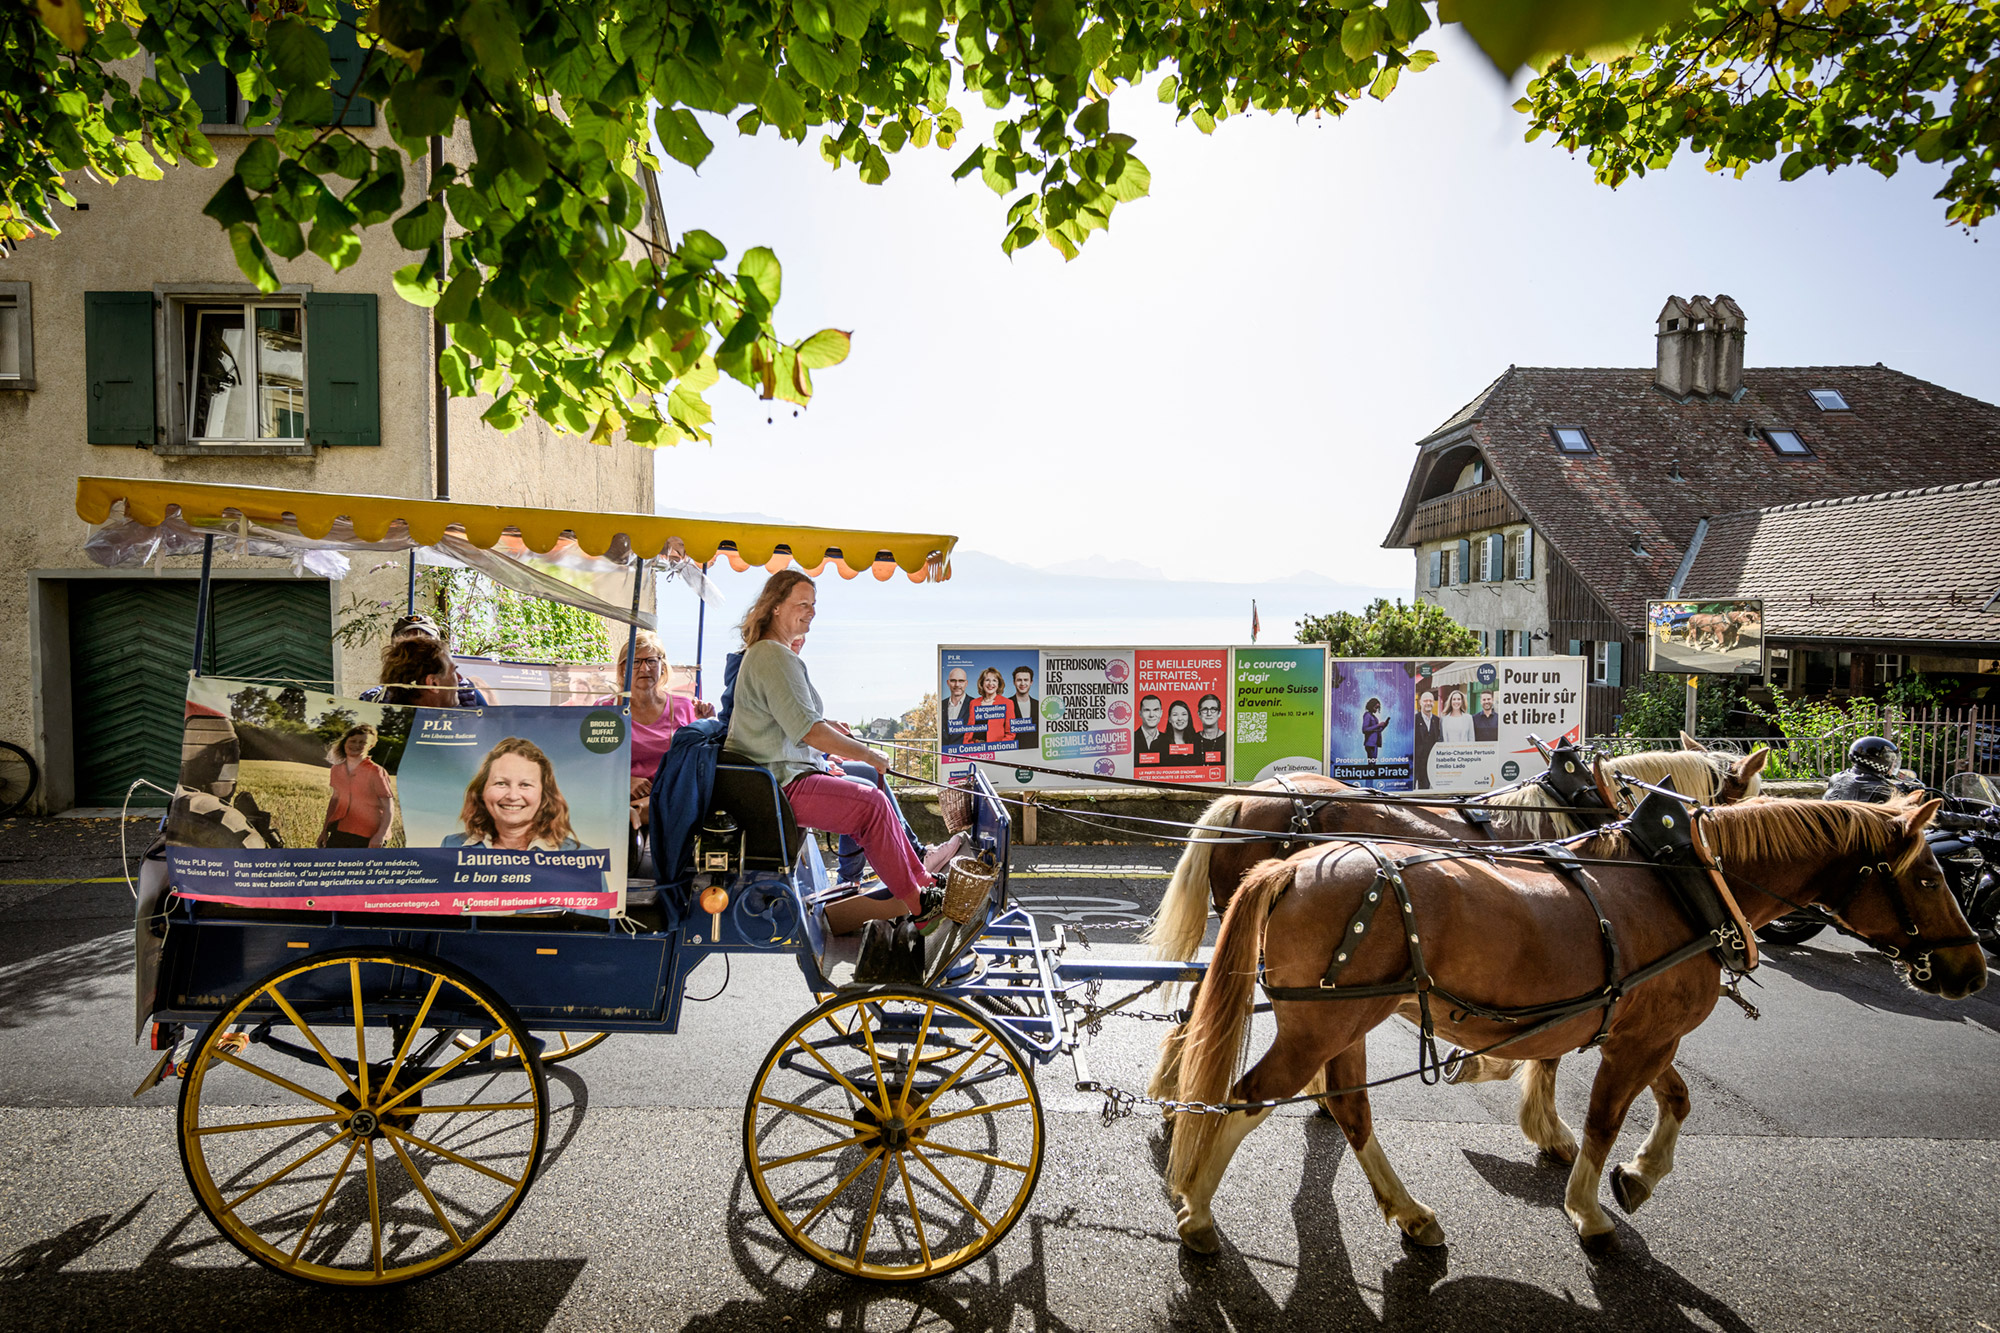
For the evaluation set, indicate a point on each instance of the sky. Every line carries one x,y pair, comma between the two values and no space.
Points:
1228,384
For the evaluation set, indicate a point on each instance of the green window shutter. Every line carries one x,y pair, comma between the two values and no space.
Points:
1576,648
118,361
1496,556
1437,566
1613,652
210,87
344,50
1464,560
343,376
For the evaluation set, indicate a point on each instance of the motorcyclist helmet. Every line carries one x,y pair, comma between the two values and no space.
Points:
1875,755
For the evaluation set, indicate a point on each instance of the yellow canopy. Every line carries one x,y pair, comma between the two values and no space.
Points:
922,556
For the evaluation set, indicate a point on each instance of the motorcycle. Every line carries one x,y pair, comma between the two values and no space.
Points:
1965,838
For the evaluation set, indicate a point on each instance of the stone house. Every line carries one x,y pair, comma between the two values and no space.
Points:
1547,511
131,346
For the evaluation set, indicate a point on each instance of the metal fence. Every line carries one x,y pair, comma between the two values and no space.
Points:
1935,743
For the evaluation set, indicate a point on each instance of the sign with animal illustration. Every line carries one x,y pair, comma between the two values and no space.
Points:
1694,638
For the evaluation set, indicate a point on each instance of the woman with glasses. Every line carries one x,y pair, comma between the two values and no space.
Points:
657,713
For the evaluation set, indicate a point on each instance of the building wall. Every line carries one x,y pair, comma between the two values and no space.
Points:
135,235
1508,604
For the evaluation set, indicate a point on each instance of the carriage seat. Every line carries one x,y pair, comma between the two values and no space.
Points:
751,795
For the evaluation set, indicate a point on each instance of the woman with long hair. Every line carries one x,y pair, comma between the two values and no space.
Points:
1180,734
777,719
514,804
999,726
362,806
1456,726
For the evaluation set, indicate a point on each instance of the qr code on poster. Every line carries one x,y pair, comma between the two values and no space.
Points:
1252,727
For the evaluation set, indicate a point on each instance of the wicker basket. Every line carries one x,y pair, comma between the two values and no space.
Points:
955,808
968,883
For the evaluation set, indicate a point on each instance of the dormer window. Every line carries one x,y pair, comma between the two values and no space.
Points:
1829,400
1787,443
1572,439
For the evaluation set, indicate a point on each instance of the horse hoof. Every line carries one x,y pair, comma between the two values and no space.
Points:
1203,1239
1629,1189
1597,1244
1426,1233
1563,1155
1456,1064
1320,1111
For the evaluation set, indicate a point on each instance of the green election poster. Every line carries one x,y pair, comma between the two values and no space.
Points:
1279,711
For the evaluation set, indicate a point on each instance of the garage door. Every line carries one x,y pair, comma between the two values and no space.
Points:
131,642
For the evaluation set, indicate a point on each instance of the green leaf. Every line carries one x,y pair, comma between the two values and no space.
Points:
1795,166
527,157
1094,119
761,276
850,17
681,135
1170,88
1930,145
873,166
488,27
297,53
916,22
339,247
231,204
1133,181
1514,33
1385,82
828,347
251,259
1406,20
415,286
700,250
455,306
421,227
1356,38
424,106
813,63
782,106
258,163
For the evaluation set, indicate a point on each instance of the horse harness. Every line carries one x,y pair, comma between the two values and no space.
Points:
1661,827
1919,963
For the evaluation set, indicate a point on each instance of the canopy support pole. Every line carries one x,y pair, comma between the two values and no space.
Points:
632,638
410,608
201,600
700,625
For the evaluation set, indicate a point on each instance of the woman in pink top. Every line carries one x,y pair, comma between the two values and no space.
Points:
657,714
361,806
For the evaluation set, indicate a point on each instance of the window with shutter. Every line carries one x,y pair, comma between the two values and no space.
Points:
1464,560
1576,648
213,91
1614,653
348,59
1524,567
343,377
1437,563
1496,556
118,364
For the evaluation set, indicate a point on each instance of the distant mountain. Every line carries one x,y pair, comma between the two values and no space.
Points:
1100,567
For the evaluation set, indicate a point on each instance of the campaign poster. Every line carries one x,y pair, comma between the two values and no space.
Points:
1064,708
1278,710
289,798
1181,729
1705,638
1371,723
1477,720
990,701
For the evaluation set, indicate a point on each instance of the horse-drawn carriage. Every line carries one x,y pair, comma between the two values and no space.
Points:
362,1031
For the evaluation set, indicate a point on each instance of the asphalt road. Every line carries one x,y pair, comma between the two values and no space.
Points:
1837,1173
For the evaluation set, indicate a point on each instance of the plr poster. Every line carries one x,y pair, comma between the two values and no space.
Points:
294,799
1371,726
1278,707
989,701
1180,733
1474,717
1065,708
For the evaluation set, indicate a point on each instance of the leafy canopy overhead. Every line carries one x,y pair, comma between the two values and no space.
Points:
562,301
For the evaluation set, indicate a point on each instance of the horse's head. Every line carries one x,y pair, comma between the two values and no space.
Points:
1741,778
1898,901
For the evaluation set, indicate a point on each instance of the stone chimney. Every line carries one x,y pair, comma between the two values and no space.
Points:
1700,348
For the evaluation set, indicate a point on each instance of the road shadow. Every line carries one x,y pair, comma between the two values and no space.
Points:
51,969
1869,979
194,1280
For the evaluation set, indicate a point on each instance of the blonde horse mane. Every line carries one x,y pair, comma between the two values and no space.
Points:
1536,813
1784,830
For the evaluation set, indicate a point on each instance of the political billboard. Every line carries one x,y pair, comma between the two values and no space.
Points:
1472,718
290,798
1181,733
1278,701
1698,638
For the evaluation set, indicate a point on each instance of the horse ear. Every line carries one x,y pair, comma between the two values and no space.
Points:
1690,743
1750,765
1915,821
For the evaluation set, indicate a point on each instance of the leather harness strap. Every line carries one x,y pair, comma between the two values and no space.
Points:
1301,821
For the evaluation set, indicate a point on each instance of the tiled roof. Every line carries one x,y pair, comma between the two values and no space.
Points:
1901,432
1911,566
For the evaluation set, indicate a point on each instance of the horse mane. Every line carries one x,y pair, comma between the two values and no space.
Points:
1536,813
1776,829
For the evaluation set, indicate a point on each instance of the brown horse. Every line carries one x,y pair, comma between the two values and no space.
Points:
1213,866
1509,935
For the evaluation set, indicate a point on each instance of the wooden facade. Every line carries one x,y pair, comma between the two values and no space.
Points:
1577,616
1469,510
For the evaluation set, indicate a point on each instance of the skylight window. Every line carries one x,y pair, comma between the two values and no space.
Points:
1829,400
1788,443
1571,439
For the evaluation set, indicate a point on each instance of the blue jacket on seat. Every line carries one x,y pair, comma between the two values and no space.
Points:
681,792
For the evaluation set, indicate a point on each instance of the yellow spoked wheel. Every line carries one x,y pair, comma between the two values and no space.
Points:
556,1046
332,1128
893,1134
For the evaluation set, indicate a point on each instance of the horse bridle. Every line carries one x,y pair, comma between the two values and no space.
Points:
1920,963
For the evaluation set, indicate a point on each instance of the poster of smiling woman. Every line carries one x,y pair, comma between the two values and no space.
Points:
290,798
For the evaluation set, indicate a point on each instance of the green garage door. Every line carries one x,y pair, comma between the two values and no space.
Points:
131,642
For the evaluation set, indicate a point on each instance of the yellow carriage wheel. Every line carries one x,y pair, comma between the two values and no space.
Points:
333,1130
556,1046
894,1134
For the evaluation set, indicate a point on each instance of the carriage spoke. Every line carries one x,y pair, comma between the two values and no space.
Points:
916,1054
440,1072
269,1181
820,1151
916,1216
417,1178
839,1077
410,1037
471,1106
875,1063
874,1206
963,1202
945,1086
797,1109
374,1207
845,1181
360,1036
324,1199
987,1158
449,1155
206,1130
928,1121
313,1037
282,1082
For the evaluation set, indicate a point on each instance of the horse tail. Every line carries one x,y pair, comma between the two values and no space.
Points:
1213,1046
1183,916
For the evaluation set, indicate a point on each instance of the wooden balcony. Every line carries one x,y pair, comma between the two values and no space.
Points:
1473,510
